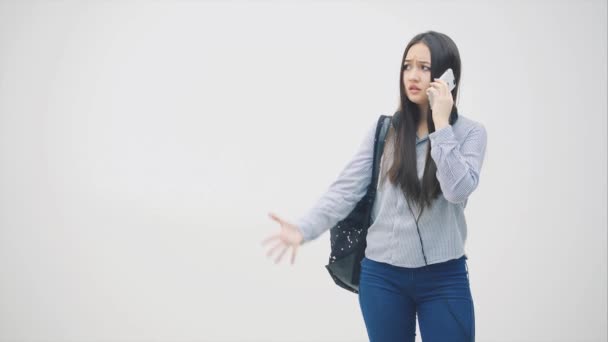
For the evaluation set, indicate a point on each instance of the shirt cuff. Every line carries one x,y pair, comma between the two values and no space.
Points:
304,229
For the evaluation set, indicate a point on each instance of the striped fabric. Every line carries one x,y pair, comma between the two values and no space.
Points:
458,151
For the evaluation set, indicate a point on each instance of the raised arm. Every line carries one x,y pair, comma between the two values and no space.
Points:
458,165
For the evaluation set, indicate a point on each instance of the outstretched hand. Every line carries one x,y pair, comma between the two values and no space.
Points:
288,236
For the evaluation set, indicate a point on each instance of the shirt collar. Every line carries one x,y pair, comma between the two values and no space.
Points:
419,140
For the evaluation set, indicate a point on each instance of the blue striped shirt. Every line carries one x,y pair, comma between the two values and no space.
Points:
458,151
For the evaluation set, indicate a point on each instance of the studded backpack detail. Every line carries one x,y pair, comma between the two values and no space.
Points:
348,237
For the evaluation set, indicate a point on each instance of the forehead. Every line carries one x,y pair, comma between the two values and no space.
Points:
419,52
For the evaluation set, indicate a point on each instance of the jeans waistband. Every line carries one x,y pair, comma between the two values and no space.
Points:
438,265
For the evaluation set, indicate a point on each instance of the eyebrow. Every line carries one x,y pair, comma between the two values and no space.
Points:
423,62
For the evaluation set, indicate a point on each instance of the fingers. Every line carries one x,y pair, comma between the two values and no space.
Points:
293,254
431,93
280,244
270,251
273,237
276,218
436,86
441,86
280,256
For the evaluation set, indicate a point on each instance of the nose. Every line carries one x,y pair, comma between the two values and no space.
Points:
413,75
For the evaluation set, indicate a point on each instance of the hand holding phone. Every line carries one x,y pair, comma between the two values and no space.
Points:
448,77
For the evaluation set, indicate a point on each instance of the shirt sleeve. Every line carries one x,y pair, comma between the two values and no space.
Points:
458,164
343,194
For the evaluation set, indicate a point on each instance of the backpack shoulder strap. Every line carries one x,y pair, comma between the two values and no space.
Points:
382,127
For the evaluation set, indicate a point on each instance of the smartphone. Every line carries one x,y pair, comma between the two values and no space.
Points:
448,77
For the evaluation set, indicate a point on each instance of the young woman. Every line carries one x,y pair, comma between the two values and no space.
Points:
415,263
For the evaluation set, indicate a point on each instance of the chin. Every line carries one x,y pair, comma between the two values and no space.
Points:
416,99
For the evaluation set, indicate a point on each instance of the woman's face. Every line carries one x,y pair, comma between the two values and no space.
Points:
417,73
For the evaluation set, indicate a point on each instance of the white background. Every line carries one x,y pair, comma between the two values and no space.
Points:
142,145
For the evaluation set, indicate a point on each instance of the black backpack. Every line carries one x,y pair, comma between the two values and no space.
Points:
348,237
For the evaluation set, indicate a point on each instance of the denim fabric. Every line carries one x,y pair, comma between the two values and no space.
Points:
391,297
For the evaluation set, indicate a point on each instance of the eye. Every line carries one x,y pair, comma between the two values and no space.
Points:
405,66
426,68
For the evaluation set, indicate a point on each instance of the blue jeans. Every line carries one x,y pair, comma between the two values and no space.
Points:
390,297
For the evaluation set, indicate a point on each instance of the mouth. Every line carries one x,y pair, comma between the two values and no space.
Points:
413,89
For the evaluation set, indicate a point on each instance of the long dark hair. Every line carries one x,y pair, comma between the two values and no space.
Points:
444,55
